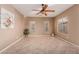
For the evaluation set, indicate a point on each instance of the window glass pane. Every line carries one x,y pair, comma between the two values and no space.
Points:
32,26
63,25
46,26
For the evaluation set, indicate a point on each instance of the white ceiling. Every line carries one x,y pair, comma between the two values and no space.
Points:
26,9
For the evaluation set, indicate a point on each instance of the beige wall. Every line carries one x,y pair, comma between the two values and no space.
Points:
40,25
73,24
7,36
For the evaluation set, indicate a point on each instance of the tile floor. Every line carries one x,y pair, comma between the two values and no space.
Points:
42,45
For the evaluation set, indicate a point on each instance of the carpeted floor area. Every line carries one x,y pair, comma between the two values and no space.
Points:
42,45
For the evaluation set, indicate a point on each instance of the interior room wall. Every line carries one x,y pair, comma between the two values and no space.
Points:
40,25
73,24
8,36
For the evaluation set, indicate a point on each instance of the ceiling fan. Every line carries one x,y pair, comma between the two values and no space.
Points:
44,10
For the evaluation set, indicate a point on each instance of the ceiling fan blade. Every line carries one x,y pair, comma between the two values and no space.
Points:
44,6
49,10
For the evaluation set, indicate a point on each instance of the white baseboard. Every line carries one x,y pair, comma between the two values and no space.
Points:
68,42
37,35
11,44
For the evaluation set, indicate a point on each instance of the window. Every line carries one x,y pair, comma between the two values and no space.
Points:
32,26
63,25
7,19
46,26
